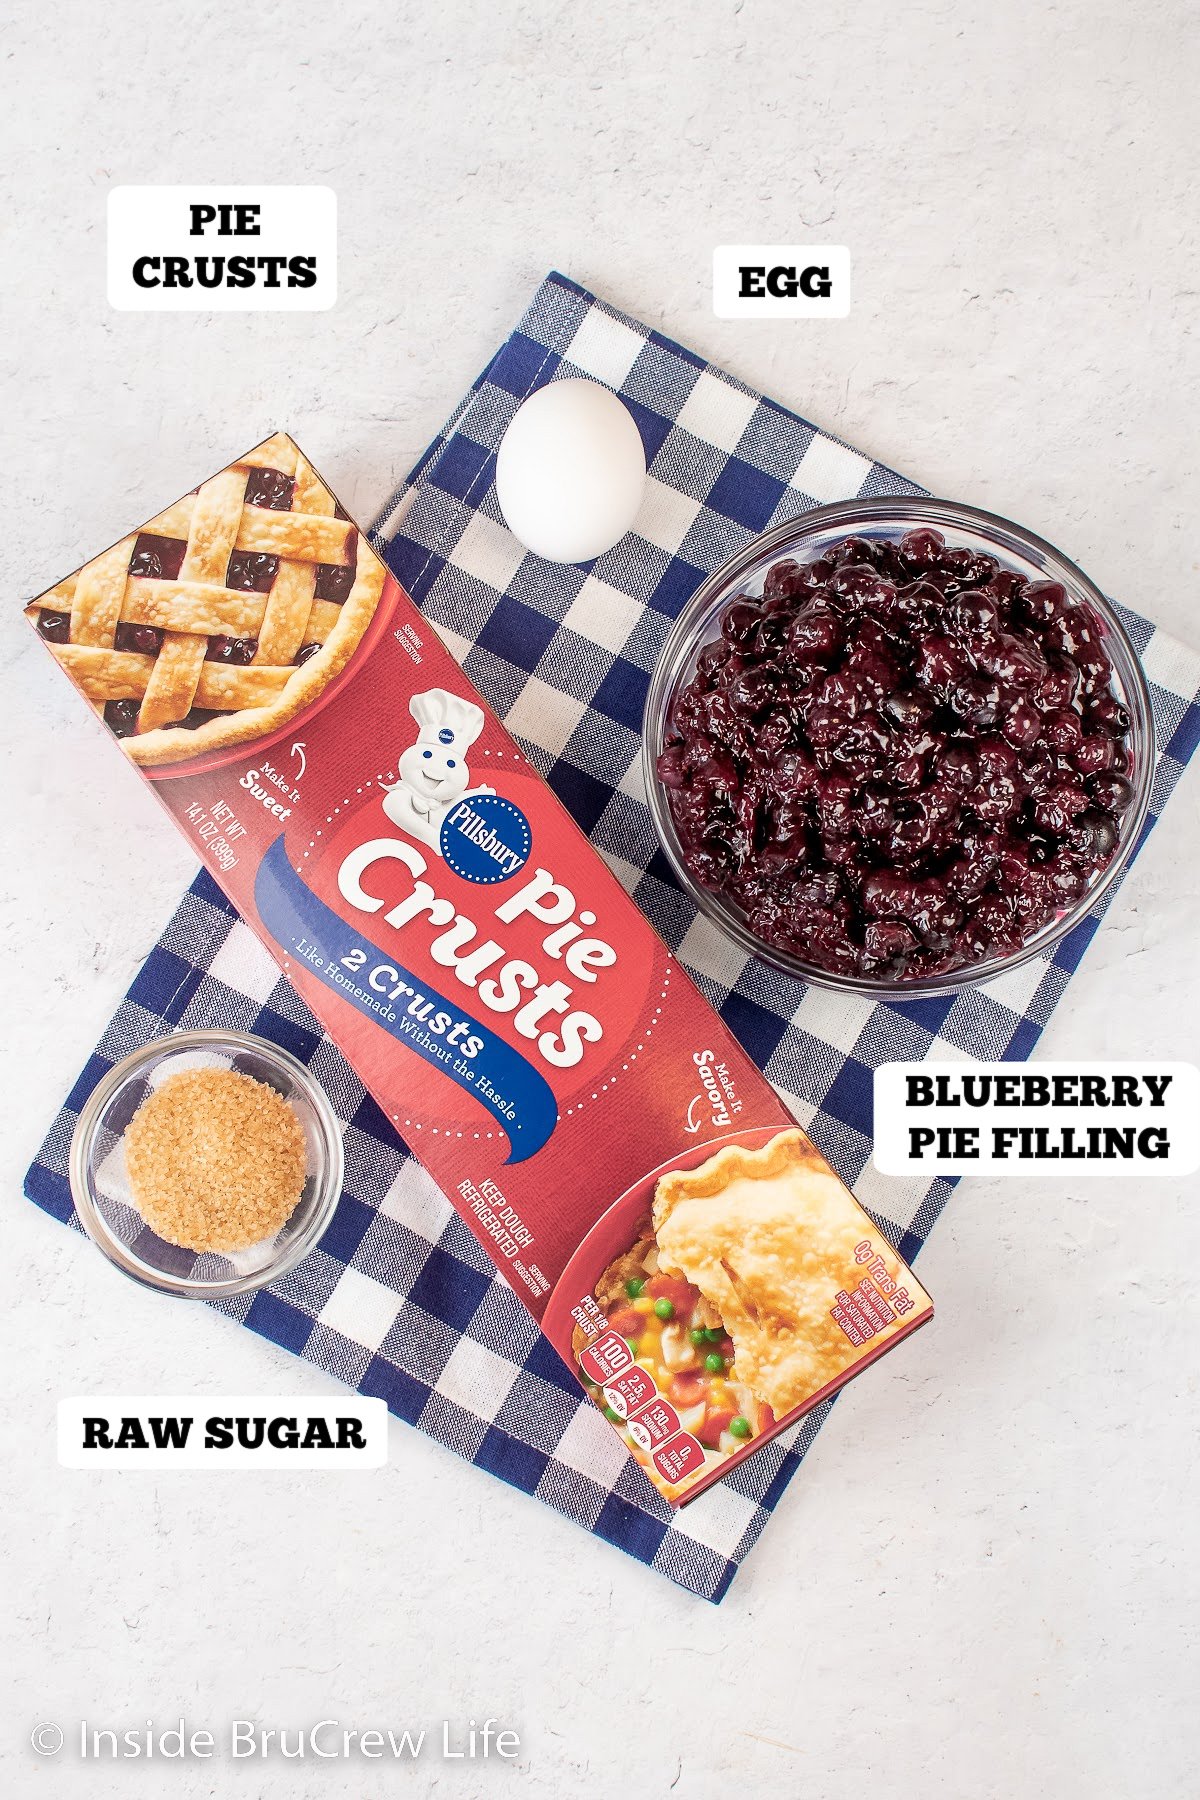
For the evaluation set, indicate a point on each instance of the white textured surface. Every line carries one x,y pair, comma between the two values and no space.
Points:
983,1583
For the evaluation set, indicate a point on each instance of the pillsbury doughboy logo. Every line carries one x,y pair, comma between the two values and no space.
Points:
483,837
433,771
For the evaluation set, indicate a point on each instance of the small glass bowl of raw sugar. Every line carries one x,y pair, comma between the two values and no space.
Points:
206,1164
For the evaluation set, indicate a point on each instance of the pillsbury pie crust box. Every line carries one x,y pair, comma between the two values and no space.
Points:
629,1170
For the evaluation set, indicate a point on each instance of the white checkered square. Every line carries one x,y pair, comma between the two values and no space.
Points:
415,1201
459,647
717,412
1170,664
830,471
626,873
591,1446
708,950
361,1309
602,614
245,966
719,1518
1016,987
488,551
545,716
836,1019
942,1050
665,516
605,347
476,1379
633,781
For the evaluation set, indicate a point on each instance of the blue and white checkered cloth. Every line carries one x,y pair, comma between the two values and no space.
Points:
399,1300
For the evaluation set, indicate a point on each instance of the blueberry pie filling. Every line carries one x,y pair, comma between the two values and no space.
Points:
901,759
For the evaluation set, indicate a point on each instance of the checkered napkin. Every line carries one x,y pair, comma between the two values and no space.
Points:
399,1299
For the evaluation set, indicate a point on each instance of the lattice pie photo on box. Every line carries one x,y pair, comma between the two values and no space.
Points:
221,619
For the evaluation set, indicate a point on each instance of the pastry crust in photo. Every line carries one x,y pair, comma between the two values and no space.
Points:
174,644
768,1237
732,1291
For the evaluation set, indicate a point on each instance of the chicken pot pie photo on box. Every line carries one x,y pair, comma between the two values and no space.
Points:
224,617
754,1288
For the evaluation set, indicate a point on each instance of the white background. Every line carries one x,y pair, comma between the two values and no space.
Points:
984,1581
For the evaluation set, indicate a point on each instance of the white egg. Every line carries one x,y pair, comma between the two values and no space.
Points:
571,471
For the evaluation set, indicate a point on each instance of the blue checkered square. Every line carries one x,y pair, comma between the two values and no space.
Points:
522,365
746,494
517,633
459,470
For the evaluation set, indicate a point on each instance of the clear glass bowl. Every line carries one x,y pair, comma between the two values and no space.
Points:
806,538
100,1185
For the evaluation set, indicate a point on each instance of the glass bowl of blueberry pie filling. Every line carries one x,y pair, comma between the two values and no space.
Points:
898,746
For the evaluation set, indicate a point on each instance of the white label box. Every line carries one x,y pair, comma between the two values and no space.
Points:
781,281
1042,1118
204,1431
222,249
